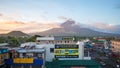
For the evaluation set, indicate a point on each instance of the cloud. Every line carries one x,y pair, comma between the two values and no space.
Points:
105,27
1,14
7,26
4,30
51,21
63,17
27,27
101,25
36,27
31,27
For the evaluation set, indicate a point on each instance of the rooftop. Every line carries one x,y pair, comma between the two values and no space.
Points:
69,63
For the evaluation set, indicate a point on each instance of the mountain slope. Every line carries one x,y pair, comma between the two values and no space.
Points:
71,28
15,34
81,32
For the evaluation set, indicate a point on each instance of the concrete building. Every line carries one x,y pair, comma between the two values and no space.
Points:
28,55
3,55
115,45
53,51
62,48
63,52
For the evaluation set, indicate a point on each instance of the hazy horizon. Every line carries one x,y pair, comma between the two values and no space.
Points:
40,15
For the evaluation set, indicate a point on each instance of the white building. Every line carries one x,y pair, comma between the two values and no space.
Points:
62,48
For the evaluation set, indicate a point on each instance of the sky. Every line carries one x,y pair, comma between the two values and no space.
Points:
42,12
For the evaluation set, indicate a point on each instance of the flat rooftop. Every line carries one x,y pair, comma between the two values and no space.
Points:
74,63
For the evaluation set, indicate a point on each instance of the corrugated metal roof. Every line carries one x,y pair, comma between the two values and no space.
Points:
3,44
30,50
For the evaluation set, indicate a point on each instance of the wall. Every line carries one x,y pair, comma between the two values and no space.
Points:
81,53
116,45
49,56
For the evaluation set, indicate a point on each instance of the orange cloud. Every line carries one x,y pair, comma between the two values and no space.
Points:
27,27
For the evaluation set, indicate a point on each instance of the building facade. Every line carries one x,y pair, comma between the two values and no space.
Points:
3,56
26,56
62,48
64,52
51,52
115,45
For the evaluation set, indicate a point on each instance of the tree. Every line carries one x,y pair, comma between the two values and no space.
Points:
2,39
33,38
14,41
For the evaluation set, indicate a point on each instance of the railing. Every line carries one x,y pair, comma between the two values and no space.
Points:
15,62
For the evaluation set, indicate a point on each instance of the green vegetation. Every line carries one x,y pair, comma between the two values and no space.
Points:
16,41
78,38
2,39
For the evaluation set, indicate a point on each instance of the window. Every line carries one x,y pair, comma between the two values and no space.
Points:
24,54
52,50
38,40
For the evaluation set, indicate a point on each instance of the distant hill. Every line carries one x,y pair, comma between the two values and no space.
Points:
70,28
15,34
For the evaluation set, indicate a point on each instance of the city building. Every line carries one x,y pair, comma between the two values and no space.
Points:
3,56
64,52
26,56
51,52
115,45
55,45
101,39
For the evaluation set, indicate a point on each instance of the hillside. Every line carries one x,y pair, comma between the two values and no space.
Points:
15,34
70,28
